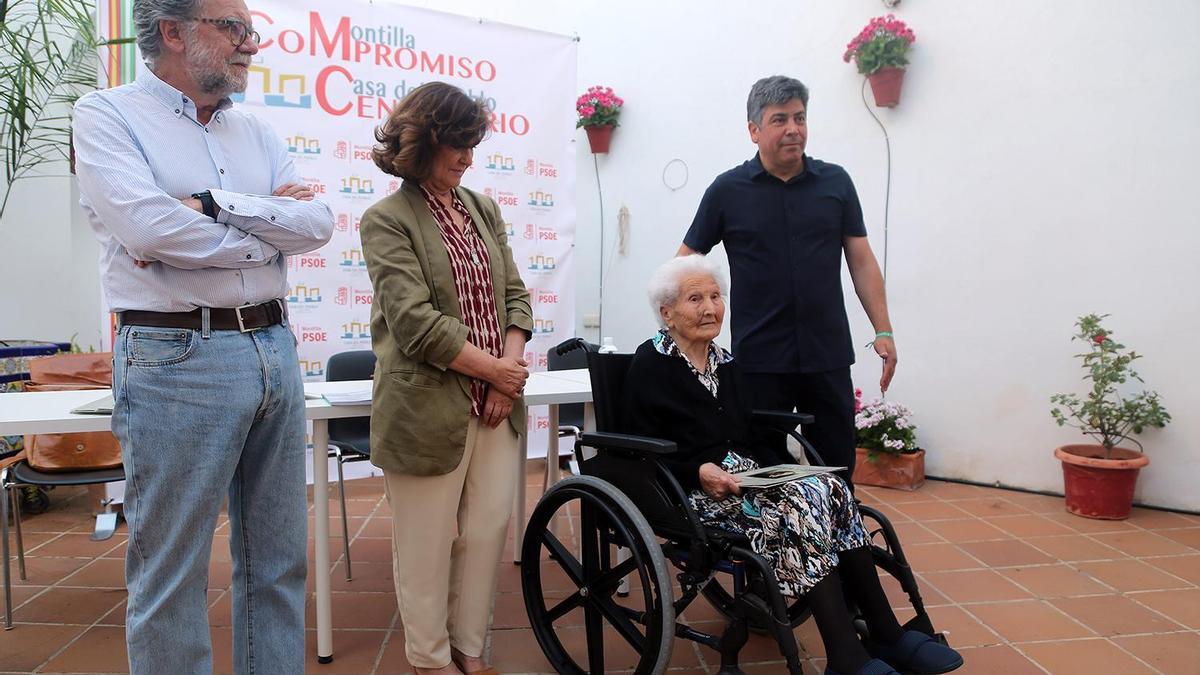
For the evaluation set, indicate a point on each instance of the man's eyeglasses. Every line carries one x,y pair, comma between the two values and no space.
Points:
238,31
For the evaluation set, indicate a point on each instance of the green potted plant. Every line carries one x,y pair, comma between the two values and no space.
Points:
1099,478
887,454
48,59
880,51
598,109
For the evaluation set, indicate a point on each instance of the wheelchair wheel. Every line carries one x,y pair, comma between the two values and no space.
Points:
570,575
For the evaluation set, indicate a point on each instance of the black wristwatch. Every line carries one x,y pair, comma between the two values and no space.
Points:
207,205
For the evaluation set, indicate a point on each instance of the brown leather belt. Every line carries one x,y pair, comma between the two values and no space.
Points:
244,318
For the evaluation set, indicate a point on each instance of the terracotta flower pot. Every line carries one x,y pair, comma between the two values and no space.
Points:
885,85
599,138
903,472
1096,487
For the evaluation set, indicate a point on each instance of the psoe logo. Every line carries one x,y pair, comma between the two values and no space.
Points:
541,263
356,330
303,295
537,359
303,146
547,233
364,296
285,90
312,368
357,185
540,169
314,184
543,326
530,232
545,296
312,261
505,198
353,259
500,163
540,199
313,334
342,297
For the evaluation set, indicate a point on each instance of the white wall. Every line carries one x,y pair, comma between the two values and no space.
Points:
1042,169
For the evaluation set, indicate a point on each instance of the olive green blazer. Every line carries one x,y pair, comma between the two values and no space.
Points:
421,408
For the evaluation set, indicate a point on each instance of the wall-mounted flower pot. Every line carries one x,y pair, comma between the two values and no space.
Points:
1096,487
903,472
885,85
599,137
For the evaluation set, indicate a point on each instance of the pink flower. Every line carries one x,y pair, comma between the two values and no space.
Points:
587,111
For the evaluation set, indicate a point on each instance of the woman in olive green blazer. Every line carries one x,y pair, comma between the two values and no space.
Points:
449,324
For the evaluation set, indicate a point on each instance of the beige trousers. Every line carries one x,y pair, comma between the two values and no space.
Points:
447,537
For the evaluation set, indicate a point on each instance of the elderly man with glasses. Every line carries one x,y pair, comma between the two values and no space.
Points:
196,205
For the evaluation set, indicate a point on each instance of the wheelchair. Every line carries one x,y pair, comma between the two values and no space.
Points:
627,518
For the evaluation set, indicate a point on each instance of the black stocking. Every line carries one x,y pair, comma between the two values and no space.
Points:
845,653
858,572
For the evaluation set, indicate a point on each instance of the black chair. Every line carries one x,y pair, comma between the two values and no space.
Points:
20,474
349,437
627,498
570,415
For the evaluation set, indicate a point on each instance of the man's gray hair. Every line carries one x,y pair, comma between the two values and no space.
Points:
147,14
665,281
773,90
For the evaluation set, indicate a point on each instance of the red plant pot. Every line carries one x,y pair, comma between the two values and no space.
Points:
599,137
885,85
1096,487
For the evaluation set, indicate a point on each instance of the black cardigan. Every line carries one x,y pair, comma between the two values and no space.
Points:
664,399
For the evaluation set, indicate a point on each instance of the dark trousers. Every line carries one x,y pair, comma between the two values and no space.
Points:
828,396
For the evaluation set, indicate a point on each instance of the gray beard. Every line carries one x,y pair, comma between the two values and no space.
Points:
220,81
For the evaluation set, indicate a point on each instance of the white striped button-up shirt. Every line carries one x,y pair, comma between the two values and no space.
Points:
139,150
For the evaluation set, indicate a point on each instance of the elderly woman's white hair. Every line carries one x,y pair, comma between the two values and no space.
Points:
665,281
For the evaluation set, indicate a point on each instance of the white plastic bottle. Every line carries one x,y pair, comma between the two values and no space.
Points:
607,346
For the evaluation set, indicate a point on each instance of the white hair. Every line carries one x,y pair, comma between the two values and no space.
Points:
665,281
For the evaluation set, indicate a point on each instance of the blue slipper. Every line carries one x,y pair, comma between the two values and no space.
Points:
918,653
873,667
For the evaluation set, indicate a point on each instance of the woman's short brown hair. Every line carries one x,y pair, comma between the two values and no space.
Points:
433,114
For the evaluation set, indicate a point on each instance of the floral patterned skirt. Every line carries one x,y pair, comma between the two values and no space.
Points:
798,527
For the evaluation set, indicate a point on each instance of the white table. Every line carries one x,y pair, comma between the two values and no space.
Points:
50,412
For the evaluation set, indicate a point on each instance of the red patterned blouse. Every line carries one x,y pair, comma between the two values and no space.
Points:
473,282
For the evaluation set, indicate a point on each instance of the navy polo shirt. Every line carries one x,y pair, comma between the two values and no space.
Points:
784,243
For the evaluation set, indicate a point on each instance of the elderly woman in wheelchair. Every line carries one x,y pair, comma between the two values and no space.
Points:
801,542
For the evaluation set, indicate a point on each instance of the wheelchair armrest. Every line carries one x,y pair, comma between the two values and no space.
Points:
637,444
780,419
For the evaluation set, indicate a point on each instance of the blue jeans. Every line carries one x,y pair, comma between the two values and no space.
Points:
198,419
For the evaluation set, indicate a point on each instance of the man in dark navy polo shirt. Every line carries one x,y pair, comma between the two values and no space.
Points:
785,219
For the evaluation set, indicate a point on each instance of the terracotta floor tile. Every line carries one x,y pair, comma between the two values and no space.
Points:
1114,615
1131,575
27,646
1189,536
509,611
1182,605
46,571
990,508
1184,566
70,605
354,652
1153,519
1090,525
898,598
1054,581
31,540
938,557
1037,503
912,533
371,550
1074,548
376,527
373,577
1171,653
357,610
1029,525
961,629
947,490
975,586
100,649
924,512
1029,620
1080,657
1141,543
997,660
20,594
881,495
1006,553
965,529
393,661
75,545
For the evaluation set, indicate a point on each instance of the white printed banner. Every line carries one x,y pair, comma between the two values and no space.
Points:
328,72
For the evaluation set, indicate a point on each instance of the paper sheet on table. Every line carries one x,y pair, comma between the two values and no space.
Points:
357,397
770,476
